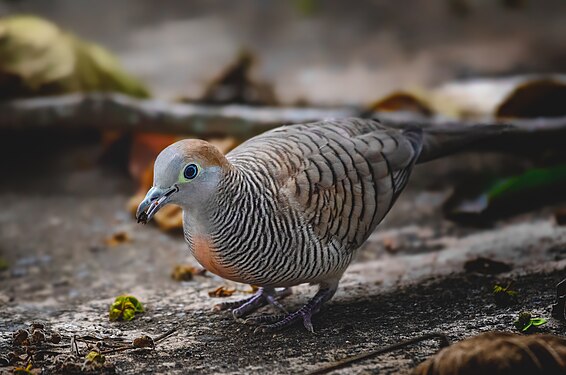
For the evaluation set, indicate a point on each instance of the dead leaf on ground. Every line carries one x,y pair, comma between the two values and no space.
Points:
527,96
499,353
234,85
221,292
38,58
118,238
253,289
185,272
402,101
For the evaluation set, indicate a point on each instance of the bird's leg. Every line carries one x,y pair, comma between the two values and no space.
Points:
264,296
271,323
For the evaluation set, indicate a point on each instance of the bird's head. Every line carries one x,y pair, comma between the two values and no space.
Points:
185,173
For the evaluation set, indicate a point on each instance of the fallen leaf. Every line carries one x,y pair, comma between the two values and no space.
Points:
402,101
536,98
124,308
234,85
504,296
498,197
183,272
23,371
117,238
221,291
499,353
253,289
38,58
526,322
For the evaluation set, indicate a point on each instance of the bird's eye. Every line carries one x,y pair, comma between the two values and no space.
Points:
190,172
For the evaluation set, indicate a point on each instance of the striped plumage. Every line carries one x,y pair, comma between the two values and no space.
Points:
299,200
292,205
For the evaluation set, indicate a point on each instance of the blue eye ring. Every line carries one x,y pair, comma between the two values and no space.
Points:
190,171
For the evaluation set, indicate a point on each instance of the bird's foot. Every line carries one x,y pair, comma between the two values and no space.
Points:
263,297
272,323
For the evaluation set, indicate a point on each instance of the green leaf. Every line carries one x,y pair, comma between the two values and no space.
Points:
538,321
526,321
95,357
526,328
128,314
124,308
491,197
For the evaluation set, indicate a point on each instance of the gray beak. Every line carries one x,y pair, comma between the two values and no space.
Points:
154,200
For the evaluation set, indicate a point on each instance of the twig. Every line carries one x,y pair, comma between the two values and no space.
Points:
165,335
120,112
75,346
128,347
120,349
360,357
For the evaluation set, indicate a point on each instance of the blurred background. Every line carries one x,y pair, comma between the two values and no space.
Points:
323,52
91,92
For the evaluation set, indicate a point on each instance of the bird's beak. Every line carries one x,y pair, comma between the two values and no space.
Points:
153,201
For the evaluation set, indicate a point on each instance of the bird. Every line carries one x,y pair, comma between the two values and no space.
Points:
292,205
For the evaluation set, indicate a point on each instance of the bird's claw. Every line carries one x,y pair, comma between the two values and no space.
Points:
274,323
248,305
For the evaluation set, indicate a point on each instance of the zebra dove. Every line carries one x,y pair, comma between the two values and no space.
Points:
292,205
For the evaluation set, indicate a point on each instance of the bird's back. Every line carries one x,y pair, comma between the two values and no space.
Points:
341,176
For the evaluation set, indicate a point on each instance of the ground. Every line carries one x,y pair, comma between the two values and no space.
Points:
60,206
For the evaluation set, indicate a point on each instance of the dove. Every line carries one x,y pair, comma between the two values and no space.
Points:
292,205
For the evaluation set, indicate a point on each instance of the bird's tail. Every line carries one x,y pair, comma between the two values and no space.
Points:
439,141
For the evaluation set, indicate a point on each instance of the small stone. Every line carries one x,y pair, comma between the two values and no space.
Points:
4,361
37,337
36,325
143,342
55,338
20,336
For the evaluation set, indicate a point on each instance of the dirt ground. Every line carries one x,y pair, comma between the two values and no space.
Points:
59,205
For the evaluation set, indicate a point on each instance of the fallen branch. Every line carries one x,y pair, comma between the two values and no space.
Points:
120,112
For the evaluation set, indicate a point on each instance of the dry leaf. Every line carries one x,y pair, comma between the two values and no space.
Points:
38,58
253,289
234,85
185,272
499,353
117,239
402,101
536,98
221,291
510,97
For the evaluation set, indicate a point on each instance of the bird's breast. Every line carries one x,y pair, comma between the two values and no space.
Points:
206,254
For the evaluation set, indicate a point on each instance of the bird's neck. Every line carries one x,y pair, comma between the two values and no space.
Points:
226,211
223,224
